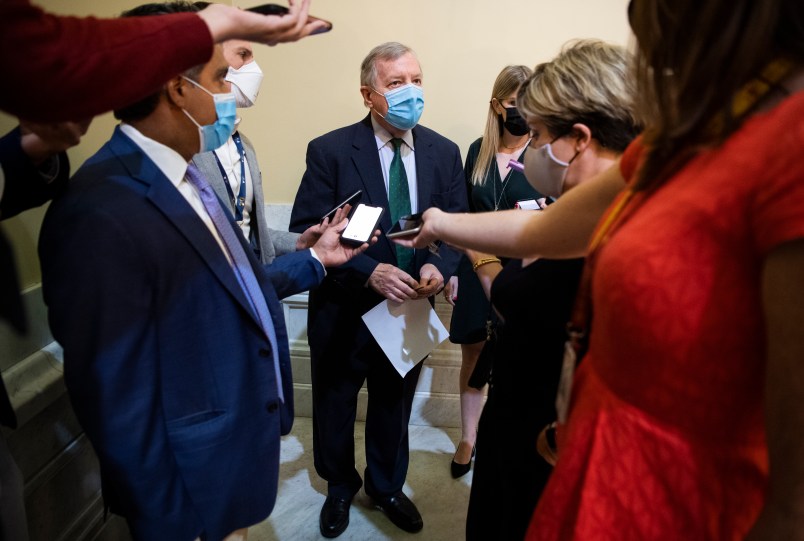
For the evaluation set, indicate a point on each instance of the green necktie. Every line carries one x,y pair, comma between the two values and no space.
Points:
399,202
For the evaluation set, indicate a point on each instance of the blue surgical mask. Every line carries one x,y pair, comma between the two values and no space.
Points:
215,135
405,106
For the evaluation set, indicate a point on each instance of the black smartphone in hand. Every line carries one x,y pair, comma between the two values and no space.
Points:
351,200
407,226
276,9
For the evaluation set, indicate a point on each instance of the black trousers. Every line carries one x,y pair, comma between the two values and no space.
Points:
338,373
509,474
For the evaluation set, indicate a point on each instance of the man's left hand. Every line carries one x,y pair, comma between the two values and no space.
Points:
430,281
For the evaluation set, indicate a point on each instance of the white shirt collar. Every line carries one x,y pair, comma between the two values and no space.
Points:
382,135
170,162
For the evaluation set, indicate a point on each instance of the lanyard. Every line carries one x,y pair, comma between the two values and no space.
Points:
238,203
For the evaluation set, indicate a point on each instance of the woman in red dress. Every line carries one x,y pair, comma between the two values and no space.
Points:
685,417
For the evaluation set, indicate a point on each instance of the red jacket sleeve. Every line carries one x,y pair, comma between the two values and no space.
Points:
70,68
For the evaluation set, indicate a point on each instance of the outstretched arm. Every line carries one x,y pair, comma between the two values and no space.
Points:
561,231
226,22
78,67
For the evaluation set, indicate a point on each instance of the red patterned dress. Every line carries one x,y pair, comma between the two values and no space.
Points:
665,438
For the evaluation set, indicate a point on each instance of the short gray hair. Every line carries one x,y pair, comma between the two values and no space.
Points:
386,51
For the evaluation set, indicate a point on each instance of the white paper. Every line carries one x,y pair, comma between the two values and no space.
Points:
406,332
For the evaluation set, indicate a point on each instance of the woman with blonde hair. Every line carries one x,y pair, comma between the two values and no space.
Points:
491,185
684,419
588,132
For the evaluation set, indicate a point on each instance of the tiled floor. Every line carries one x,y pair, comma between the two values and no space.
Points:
441,500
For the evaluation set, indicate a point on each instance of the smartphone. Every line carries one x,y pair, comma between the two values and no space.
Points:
276,9
351,200
527,204
362,224
407,226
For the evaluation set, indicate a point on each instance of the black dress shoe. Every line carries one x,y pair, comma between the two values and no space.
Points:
334,516
459,470
401,511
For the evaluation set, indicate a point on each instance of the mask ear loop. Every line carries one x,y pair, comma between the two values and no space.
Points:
198,85
192,119
553,156
386,101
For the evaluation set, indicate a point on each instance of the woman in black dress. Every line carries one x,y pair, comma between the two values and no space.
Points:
580,105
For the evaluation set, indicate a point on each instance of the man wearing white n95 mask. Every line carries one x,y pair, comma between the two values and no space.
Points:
233,170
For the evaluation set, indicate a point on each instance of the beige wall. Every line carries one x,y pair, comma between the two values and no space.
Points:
311,87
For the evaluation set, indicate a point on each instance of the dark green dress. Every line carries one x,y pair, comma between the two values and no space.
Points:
471,310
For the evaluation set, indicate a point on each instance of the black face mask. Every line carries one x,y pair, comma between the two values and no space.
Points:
514,122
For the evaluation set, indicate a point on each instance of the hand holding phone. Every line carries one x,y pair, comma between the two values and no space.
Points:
277,10
407,226
351,200
362,224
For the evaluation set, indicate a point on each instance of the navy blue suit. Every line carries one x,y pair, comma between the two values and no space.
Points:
167,368
343,352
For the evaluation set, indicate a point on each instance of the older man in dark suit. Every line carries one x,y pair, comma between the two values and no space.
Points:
404,168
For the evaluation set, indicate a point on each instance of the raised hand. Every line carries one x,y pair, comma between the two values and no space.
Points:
227,22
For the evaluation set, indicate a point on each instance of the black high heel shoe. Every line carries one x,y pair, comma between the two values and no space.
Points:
459,470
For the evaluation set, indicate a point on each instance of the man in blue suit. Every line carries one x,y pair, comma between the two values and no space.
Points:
404,168
180,380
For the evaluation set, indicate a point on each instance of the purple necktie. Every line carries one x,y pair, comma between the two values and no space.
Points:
240,263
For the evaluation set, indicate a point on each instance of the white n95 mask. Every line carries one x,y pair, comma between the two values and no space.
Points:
246,83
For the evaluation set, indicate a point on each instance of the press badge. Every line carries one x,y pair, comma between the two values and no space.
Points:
565,383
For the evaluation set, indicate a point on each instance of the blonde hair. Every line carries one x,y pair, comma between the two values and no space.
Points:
589,83
507,82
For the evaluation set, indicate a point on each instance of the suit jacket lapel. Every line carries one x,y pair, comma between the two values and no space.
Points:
175,208
425,165
367,162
